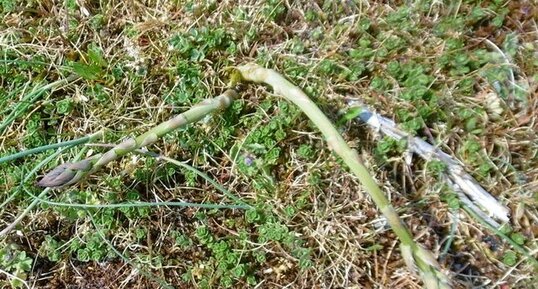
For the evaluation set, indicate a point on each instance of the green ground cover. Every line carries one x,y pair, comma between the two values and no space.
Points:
462,75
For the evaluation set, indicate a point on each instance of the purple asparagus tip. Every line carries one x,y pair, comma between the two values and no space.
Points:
64,174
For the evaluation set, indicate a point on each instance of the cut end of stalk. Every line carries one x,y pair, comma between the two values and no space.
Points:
251,72
230,95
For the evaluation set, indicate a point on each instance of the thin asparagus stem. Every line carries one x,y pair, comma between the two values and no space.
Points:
19,218
40,198
85,139
199,173
70,173
414,255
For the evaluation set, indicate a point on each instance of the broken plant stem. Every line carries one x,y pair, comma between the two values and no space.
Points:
70,173
414,255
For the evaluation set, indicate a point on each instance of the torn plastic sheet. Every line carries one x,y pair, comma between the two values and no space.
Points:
456,176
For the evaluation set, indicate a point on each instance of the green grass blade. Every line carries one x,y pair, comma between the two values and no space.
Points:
40,149
30,98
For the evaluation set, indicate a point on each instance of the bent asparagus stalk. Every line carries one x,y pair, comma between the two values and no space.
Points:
70,173
415,256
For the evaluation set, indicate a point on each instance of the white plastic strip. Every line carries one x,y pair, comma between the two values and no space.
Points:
459,179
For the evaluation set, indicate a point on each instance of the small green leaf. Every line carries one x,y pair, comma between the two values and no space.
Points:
375,247
96,56
350,114
90,72
83,255
518,238
226,281
510,258
64,106
251,280
239,271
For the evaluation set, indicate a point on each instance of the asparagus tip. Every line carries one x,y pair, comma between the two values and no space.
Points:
65,174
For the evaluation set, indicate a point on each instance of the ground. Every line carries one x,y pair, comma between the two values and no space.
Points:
462,75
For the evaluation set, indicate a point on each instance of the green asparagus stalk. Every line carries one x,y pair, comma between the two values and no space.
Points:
415,256
70,173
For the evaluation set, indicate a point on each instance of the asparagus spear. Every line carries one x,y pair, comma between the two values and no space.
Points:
414,255
70,173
